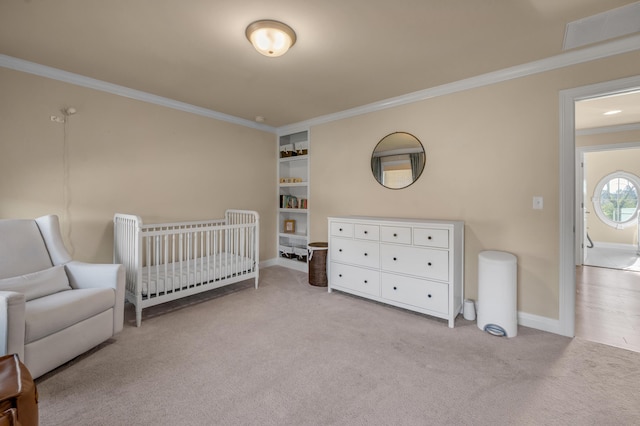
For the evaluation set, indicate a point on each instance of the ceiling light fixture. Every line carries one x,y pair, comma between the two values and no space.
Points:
271,38
612,112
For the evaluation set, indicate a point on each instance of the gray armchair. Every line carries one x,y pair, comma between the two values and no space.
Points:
52,308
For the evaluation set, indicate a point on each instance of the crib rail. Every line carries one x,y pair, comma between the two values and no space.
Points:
163,259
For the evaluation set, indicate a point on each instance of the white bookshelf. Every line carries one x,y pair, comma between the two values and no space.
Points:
293,183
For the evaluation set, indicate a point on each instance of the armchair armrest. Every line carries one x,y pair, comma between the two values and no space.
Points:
96,275
93,275
12,323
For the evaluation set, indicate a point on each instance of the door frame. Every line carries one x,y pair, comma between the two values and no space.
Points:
568,223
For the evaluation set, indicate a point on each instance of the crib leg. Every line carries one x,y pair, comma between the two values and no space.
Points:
138,316
256,282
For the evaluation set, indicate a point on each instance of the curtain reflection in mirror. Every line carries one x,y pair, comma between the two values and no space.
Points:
398,160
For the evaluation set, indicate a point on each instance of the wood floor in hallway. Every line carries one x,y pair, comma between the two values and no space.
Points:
608,306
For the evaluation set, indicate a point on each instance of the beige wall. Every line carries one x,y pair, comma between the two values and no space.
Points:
489,151
124,156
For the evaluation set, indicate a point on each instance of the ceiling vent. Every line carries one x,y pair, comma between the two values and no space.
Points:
614,23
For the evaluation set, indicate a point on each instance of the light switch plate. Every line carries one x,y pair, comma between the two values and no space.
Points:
537,203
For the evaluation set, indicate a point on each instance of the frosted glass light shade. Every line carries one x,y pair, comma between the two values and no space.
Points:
271,38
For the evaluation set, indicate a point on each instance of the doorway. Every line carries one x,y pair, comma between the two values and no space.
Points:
607,274
570,216
607,283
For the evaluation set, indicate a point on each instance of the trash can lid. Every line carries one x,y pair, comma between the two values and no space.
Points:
497,256
318,246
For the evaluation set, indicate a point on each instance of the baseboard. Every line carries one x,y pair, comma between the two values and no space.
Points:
540,323
615,246
549,325
269,262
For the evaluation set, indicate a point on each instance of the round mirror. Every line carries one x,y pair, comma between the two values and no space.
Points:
398,160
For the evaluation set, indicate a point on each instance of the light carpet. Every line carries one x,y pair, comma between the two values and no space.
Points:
292,354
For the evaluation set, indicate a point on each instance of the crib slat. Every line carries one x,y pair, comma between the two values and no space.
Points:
164,258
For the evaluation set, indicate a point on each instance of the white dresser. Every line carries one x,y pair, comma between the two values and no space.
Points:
410,263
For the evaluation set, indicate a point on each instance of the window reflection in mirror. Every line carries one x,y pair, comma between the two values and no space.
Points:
398,160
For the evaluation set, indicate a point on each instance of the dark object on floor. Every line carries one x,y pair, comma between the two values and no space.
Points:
318,264
18,393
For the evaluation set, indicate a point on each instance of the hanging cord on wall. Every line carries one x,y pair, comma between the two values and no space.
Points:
66,192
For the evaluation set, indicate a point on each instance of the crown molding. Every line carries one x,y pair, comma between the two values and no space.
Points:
91,83
608,129
562,60
575,57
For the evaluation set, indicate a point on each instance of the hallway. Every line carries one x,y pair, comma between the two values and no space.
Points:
608,306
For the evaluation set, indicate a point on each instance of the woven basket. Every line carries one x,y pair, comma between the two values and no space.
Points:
318,264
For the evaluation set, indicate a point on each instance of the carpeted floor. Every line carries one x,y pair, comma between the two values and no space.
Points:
292,354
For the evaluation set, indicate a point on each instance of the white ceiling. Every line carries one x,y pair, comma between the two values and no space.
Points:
590,113
349,53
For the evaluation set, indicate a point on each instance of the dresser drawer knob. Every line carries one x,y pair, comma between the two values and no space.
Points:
395,288
429,237
429,263
340,250
365,281
340,229
395,258
429,296
366,254
395,235
340,275
366,232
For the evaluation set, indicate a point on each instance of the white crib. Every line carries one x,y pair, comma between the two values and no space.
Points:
169,261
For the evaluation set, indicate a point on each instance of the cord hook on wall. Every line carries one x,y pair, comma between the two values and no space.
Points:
66,112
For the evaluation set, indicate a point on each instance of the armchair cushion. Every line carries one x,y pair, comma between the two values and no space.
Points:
47,315
38,284
22,250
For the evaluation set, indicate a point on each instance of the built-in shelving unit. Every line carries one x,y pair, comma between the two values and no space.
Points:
293,199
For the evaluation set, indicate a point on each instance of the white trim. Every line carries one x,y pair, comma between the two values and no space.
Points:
562,60
604,50
608,129
567,280
295,265
540,323
616,246
612,147
269,262
91,83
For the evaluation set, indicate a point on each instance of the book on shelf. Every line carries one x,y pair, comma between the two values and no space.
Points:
289,202
292,202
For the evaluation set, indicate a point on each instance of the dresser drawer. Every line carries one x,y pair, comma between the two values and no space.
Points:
395,234
431,237
363,253
342,229
415,292
423,262
357,279
367,232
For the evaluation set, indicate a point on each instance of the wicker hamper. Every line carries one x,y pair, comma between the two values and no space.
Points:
318,264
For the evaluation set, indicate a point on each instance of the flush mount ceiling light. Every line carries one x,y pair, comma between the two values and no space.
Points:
271,38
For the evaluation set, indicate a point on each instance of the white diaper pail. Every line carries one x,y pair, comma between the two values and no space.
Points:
497,311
